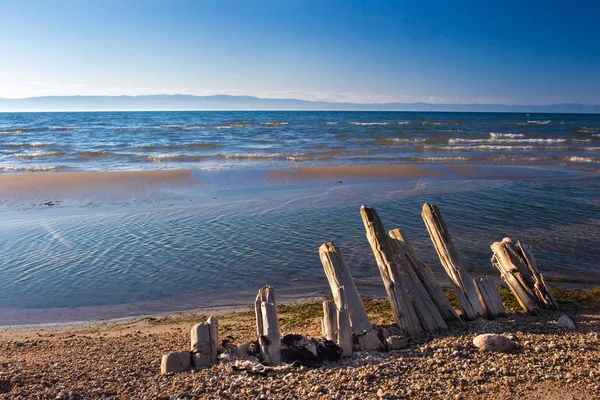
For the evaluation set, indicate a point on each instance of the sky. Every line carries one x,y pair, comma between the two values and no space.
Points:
484,51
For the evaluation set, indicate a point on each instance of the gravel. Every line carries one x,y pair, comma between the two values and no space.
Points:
122,361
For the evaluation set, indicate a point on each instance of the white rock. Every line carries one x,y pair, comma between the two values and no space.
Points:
396,342
494,343
175,362
565,322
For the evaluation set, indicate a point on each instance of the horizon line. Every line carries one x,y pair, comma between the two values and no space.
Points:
294,99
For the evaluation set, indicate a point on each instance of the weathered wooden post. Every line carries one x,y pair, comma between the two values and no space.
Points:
489,297
518,269
344,334
205,343
402,308
427,278
267,325
463,283
339,276
329,323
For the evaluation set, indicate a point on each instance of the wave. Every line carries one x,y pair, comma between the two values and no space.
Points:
15,131
39,154
156,158
41,168
63,128
202,146
331,123
580,159
275,123
32,144
368,123
495,135
397,141
585,129
95,154
489,147
530,140
403,122
439,158
435,123
536,122
256,155
191,146
184,127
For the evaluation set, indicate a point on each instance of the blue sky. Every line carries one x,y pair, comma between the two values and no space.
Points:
511,52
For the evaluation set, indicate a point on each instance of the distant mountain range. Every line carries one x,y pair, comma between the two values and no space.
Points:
226,102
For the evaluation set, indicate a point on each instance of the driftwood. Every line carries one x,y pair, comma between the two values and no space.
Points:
344,333
412,306
339,277
329,323
402,308
426,277
430,317
205,343
267,326
489,297
463,283
518,270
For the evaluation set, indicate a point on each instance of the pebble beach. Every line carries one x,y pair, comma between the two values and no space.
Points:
121,360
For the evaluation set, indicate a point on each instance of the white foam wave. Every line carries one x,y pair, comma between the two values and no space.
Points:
580,159
63,128
156,158
368,123
443,158
530,140
495,135
38,154
592,148
12,132
485,147
40,144
41,168
400,140
256,155
585,129
536,122
403,122
275,123
331,123
596,135
581,140
298,158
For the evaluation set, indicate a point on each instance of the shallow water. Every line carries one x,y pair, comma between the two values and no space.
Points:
106,141
215,245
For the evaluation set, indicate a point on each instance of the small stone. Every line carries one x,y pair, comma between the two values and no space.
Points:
396,342
565,322
491,342
175,362
380,393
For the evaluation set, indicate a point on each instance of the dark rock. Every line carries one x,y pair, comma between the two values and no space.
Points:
328,350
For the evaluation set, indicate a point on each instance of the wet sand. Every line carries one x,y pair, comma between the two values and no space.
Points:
68,183
355,171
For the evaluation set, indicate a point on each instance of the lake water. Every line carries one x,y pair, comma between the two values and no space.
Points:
215,244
